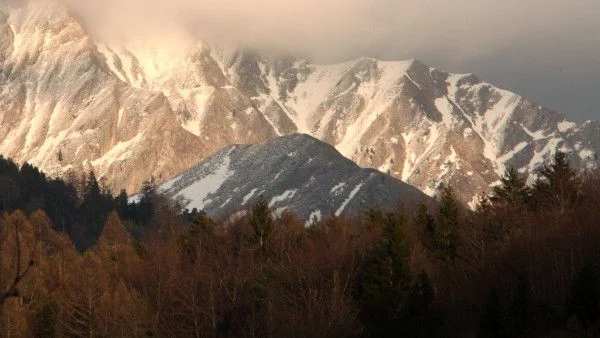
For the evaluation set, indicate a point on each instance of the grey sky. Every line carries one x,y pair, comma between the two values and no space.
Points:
547,50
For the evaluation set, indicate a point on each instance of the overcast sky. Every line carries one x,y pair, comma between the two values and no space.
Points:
547,50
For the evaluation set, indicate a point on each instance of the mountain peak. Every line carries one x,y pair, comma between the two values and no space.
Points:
295,172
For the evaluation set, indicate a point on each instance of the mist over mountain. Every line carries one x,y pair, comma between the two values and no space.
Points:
543,50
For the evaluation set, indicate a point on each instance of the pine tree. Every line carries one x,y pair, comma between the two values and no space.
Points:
122,204
261,220
385,281
93,211
201,223
512,191
91,190
426,223
148,201
200,234
559,184
446,232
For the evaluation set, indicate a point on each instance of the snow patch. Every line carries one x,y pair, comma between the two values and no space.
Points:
279,211
337,189
119,152
537,135
249,196
280,198
350,197
225,203
169,184
504,158
587,154
444,106
565,126
198,192
467,132
313,218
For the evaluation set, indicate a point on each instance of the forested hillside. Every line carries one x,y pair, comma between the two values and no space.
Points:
75,261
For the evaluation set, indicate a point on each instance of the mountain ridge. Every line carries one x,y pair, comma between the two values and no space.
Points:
296,172
131,112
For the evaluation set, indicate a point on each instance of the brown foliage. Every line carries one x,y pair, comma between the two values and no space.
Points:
215,279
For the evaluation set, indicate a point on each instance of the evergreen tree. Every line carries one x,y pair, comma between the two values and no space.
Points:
426,223
200,233
559,184
32,183
104,189
93,212
385,281
122,204
91,190
512,192
148,200
201,223
261,220
446,231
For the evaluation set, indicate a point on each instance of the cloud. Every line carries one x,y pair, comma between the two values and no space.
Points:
334,28
494,38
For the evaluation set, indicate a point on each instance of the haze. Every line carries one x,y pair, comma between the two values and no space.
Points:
546,50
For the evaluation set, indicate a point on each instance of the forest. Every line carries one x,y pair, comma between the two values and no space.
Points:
77,261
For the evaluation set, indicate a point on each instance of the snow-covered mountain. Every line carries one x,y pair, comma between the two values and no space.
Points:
295,172
62,108
417,123
68,102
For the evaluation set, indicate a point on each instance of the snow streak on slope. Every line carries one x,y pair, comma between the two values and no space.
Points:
208,183
312,92
379,94
339,211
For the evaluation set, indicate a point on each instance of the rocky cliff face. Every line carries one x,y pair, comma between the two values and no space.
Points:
147,109
63,108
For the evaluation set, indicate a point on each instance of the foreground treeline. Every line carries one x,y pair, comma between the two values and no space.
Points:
77,206
525,263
